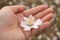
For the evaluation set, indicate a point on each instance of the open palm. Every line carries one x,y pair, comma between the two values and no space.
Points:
11,16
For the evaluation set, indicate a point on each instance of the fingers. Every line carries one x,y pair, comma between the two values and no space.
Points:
35,10
43,13
44,25
16,8
47,17
41,27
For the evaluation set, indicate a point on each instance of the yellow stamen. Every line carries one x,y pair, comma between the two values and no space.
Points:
30,21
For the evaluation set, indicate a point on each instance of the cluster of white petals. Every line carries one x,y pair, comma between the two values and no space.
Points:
29,22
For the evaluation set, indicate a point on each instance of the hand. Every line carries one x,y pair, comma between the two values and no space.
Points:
11,16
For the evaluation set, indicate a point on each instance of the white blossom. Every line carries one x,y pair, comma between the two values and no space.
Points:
29,22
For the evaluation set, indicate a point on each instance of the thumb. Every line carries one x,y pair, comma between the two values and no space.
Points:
44,25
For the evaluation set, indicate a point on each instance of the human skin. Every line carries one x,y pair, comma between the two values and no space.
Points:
11,16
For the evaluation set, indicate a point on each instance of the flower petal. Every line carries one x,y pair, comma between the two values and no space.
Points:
23,24
38,22
30,16
27,28
25,18
34,26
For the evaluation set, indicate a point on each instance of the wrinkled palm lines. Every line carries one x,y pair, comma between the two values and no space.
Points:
51,33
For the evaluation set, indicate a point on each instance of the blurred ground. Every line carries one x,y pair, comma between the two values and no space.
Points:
51,33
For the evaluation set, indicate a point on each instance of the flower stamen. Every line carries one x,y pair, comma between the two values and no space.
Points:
30,21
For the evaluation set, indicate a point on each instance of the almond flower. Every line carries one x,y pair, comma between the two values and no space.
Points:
29,22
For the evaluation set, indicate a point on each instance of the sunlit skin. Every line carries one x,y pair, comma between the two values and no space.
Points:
11,16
